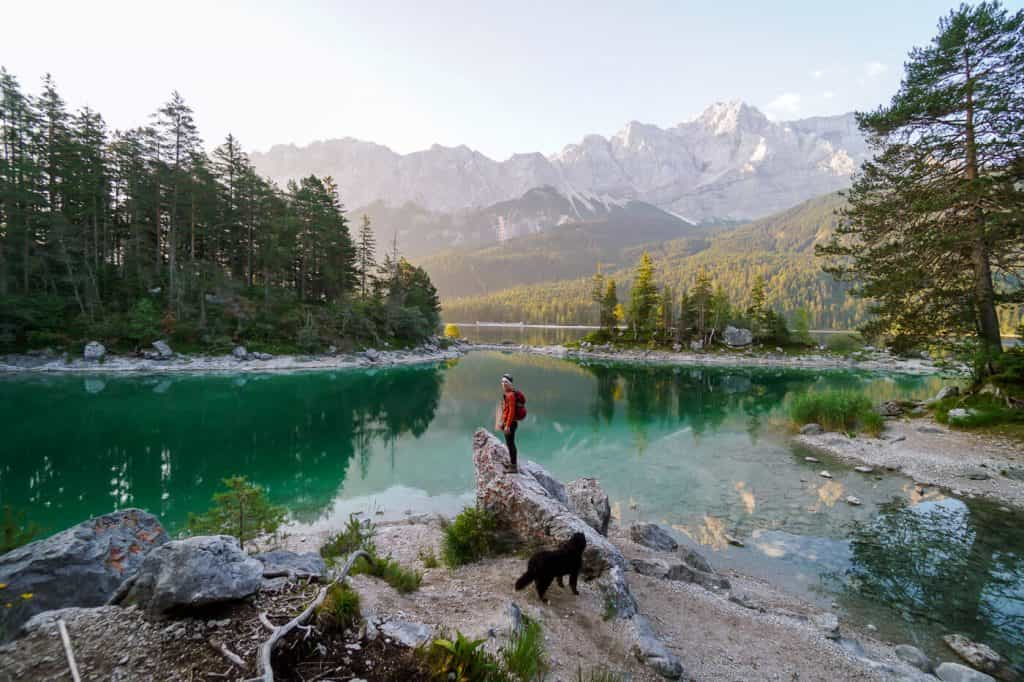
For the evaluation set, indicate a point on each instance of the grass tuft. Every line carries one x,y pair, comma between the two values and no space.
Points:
404,580
524,657
836,411
340,608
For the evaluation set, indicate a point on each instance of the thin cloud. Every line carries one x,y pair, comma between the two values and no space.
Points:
828,94
818,74
786,104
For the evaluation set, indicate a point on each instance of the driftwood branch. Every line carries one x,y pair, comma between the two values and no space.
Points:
68,651
279,632
227,653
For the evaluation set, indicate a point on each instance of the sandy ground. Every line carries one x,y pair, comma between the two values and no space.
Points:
933,454
870,360
770,637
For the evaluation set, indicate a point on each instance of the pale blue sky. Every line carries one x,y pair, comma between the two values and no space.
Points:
500,77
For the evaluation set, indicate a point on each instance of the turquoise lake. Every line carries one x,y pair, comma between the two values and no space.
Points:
703,450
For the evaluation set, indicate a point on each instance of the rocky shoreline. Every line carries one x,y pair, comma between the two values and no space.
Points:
869,360
935,455
239,360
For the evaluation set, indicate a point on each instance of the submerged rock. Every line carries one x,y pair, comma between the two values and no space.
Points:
81,566
94,351
588,499
890,408
653,536
195,572
240,353
954,672
824,474
982,657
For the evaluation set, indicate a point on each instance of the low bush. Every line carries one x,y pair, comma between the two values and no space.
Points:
242,510
982,411
457,658
836,411
844,343
428,557
468,538
340,608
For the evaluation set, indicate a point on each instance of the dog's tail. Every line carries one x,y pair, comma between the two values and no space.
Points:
524,580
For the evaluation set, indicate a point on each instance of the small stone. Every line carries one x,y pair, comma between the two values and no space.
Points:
824,474
871,627
812,460
864,470
736,542
827,624
855,501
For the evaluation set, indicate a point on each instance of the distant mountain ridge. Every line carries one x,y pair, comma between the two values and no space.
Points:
731,162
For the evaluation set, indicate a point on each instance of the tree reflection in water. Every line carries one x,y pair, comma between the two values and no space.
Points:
908,557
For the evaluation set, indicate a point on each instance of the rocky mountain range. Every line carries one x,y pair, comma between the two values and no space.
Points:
730,163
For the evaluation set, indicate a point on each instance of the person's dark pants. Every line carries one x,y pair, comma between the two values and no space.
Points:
510,441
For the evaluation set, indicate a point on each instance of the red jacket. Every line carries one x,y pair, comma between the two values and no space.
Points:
508,409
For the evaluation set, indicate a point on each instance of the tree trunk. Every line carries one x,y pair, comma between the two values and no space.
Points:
984,292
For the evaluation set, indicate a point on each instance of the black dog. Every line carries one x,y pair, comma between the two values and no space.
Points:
549,565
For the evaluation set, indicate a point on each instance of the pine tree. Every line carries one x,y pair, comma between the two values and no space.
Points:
609,304
700,305
933,222
758,309
366,262
597,292
643,300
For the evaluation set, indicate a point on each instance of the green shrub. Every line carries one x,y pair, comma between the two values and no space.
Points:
844,343
836,411
523,657
340,608
404,580
242,510
428,557
451,331
356,535
470,537
983,411
15,531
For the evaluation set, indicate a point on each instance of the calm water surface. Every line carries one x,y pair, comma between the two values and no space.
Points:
702,450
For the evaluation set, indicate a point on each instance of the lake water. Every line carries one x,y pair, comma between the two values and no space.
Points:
702,450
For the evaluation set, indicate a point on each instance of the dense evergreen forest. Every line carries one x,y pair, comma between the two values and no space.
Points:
131,236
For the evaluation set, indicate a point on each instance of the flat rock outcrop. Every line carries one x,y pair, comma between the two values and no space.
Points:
81,566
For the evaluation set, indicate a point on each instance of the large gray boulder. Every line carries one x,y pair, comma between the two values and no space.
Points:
653,536
81,566
589,501
525,509
552,485
192,573
240,353
94,351
737,337
163,350
913,656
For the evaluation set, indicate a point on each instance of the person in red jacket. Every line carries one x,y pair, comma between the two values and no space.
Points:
509,421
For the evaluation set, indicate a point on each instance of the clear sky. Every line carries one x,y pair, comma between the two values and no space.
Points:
499,76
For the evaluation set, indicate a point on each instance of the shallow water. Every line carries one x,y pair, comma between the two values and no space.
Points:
702,450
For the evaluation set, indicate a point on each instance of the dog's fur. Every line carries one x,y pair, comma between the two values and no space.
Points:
548,565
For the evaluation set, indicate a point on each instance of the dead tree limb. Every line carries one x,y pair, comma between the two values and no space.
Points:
227,653
68,651
267,650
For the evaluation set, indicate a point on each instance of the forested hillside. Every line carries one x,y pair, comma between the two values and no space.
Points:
780,248
135,235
